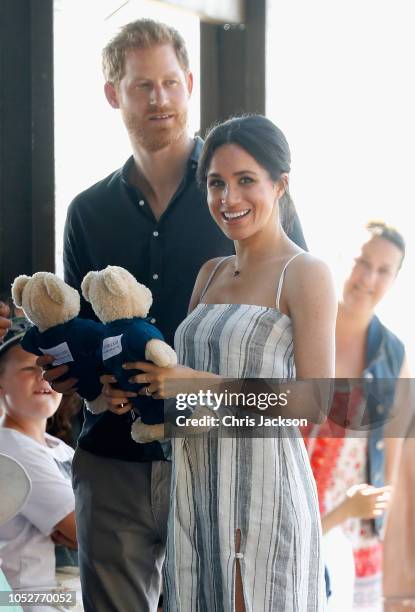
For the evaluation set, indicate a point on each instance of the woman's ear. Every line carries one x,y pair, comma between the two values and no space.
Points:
282,185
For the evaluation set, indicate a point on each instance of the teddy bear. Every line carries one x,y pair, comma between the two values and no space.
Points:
52,307
122,304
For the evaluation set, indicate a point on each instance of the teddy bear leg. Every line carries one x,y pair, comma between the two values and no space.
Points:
142,433
160,353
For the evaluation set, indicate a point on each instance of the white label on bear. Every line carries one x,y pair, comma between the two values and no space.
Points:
60,352
111,347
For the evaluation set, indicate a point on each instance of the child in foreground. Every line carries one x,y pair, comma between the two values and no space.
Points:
27,541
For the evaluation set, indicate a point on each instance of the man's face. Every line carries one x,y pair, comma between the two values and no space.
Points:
153,96
23,391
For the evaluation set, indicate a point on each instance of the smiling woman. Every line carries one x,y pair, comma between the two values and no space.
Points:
268,313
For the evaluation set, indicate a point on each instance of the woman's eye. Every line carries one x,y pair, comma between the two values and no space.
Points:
215,183
246,179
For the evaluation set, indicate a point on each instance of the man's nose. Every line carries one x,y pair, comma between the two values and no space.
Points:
158,96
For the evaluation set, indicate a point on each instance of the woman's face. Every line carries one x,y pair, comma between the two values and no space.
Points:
372,275
242,197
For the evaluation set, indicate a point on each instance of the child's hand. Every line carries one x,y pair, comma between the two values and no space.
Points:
58,538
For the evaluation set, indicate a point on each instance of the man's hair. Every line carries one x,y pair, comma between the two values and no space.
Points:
140,34
387,232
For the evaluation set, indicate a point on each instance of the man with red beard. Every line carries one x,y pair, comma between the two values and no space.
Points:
151,218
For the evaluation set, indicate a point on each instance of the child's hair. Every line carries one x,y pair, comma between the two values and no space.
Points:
19,326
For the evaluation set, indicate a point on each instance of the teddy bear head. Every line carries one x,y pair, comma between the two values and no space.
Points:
45,299
114,294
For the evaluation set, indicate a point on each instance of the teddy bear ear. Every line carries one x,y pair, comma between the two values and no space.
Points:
54,287
86,284
114,279
18,286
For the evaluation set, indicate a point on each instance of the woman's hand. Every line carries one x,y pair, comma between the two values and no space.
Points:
118,401
367,502
163,383
362,501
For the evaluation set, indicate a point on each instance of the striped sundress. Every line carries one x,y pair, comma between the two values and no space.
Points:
262,486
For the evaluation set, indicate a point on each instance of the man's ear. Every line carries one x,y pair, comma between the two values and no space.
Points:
189,82
111,94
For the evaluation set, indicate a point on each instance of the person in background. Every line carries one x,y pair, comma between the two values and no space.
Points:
27,541
355,472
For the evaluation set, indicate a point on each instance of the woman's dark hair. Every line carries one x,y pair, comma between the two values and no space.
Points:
259,137
387,232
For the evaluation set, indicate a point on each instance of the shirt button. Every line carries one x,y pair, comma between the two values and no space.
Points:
152,321
155,234
368,375
141,202
380,444
239,555
155,276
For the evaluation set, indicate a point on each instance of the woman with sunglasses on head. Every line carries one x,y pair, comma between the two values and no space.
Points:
355,456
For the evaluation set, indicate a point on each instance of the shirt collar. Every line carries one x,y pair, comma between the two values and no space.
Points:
191,166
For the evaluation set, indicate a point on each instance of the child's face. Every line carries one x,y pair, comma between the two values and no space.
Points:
23,391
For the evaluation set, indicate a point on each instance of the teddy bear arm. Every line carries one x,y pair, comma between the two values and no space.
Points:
160,353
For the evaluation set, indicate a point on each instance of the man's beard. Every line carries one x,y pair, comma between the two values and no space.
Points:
150,137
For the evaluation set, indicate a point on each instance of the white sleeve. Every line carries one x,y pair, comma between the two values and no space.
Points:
51,497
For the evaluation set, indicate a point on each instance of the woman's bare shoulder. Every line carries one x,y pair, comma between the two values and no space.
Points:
202,279
308,277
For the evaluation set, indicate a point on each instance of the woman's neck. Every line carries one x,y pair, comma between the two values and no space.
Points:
351,322
261,248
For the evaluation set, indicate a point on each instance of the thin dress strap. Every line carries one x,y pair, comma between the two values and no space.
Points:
212,274
277,301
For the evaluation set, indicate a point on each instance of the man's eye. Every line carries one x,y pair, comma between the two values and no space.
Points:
171,82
